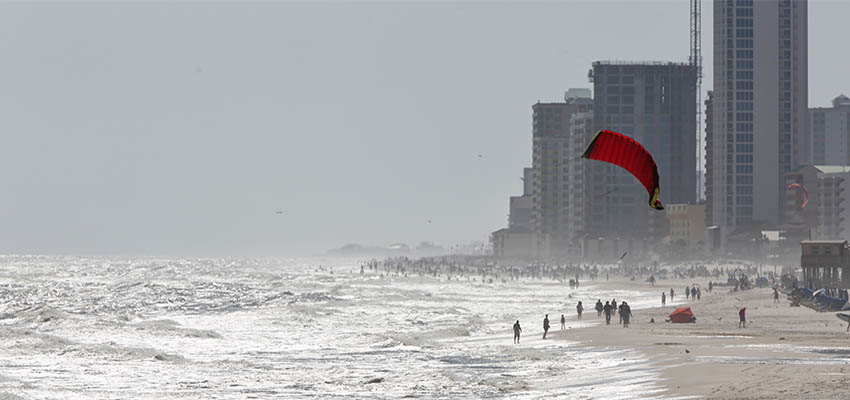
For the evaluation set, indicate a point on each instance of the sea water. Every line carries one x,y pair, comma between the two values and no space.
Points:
76,327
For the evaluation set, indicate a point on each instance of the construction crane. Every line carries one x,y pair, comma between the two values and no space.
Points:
695,59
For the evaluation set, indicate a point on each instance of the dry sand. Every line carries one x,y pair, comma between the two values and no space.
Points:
784,352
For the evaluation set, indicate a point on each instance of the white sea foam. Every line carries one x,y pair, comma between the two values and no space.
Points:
152,328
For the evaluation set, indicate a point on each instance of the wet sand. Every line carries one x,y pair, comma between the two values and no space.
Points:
784,352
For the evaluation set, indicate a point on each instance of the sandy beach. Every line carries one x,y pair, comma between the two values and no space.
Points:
784,352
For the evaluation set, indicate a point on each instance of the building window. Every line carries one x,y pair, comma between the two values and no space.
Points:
744,138
744,148
744,116
743,85
744,53
744,127
744,22
744,158
744,75
744,33
744,106
744,43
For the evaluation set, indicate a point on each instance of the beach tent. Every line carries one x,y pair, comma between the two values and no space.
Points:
682,315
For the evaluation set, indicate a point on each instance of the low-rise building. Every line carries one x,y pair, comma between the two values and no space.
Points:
687,224
823,189
516,243
826,263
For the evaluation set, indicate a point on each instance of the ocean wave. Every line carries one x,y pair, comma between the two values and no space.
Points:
173,327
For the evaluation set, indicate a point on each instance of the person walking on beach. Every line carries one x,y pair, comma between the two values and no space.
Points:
625,313
775,295
710,285
620,312
663,299
699,293
545,325
563,322
671,295
613,306
607,309
742,313
599,308
517,331
579,309
687,292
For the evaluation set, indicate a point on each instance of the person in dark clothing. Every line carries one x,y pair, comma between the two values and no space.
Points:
613,306
671,294
599,308
517,331
625,313
742,313
579,309
663,299
687,292
545,325
620,312
775,295
607,311
710,286
563,322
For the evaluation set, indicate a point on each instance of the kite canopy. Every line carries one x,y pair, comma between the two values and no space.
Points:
805,193
625,152
682,315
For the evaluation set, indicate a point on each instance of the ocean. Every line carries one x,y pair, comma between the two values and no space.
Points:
146,328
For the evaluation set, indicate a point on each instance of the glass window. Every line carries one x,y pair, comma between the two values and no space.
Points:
744,53
742,85
744,43
745,12
744,33
744,74
744,116
744,147
744,96
744,64
744,127
744,137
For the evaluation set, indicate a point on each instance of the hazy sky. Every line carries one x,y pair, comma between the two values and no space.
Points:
181,128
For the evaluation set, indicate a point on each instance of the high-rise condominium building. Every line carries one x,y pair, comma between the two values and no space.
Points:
829,133
759,109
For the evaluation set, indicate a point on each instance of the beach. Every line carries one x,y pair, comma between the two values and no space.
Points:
784,352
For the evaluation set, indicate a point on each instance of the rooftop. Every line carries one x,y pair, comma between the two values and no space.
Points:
832,169
642,63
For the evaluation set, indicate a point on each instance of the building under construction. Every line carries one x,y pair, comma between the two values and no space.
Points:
654,103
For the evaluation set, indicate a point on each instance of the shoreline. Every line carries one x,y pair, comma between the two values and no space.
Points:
784,352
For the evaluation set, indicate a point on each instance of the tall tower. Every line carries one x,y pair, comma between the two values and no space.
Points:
552,155
695,59
759,108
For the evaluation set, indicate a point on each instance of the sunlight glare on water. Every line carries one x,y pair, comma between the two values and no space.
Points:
225,328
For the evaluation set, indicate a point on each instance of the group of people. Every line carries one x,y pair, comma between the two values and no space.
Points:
691,293
610,308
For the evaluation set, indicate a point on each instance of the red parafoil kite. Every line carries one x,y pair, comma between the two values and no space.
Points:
625,152
805,193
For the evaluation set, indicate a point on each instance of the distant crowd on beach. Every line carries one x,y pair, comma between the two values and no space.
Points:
476,269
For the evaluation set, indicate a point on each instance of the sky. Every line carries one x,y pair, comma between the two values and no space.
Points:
182,128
